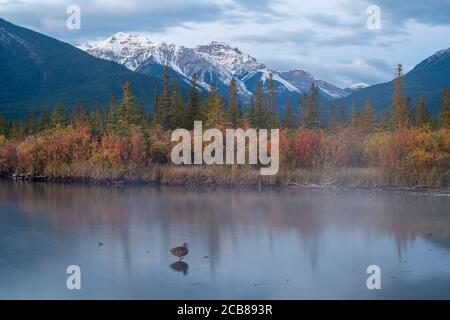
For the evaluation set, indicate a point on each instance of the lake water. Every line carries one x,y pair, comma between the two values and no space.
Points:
245,244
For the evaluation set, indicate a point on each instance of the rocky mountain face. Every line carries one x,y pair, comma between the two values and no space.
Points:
216,63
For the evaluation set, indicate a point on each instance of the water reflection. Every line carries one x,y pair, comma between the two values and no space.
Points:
180,266
249,236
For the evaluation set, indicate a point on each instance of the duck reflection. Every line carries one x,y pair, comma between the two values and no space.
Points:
180,266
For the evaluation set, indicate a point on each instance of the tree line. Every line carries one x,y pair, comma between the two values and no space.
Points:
172,111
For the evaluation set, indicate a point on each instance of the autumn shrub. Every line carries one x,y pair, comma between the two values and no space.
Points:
349,151
306,149
8,158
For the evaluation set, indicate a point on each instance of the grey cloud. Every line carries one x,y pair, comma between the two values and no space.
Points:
101,18
279,36
432,12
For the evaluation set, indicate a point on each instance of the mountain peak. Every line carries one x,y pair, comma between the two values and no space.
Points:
357,86
436,59
217,62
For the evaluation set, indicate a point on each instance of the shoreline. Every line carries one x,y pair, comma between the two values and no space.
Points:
333,186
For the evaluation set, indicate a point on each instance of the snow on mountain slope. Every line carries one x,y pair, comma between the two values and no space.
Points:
216,63
303,80
356,87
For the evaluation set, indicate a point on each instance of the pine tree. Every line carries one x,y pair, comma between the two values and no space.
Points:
311,110
422,116
367,118
274,110
251,112
59,115
193,105
290,121
355,116
444,116
111,113
95,122
214,116
385,120
179,112
401,107
342,116
302,102
44,119
331,116
124,116
261,111
31,125
175,113
3,126
233,104
162,114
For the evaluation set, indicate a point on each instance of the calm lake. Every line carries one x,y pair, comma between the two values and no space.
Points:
245,244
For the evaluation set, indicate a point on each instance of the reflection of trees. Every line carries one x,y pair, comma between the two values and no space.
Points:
220,216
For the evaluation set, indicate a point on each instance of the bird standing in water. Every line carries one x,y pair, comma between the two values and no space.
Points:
181,251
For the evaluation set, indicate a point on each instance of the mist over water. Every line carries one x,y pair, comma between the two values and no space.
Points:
245,244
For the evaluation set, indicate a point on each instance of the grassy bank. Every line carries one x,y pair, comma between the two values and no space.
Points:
236,176
405,158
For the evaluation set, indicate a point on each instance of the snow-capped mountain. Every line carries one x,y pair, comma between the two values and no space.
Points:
356,87
216,63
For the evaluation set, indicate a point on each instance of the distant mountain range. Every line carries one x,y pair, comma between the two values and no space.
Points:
216,63
427,79
36,70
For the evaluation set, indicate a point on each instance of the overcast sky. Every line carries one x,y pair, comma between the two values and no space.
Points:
328,38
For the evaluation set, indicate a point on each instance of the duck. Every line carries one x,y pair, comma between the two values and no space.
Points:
180,251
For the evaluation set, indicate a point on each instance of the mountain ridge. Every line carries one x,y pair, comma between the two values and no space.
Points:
38,70
217,63
427,79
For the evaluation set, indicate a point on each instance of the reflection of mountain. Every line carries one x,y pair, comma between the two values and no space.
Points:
219,219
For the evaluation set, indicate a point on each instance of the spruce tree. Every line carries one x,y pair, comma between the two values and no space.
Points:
163,105
214,116
311,110
385,120
111,112
251,112
3,126
367,118
124,115
59,115
95,122
175,113
422,116
44,119
261,110
233,104
193,105
342,116
401,107
331,124
444,116
31,126
355,116
273,108
290,121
